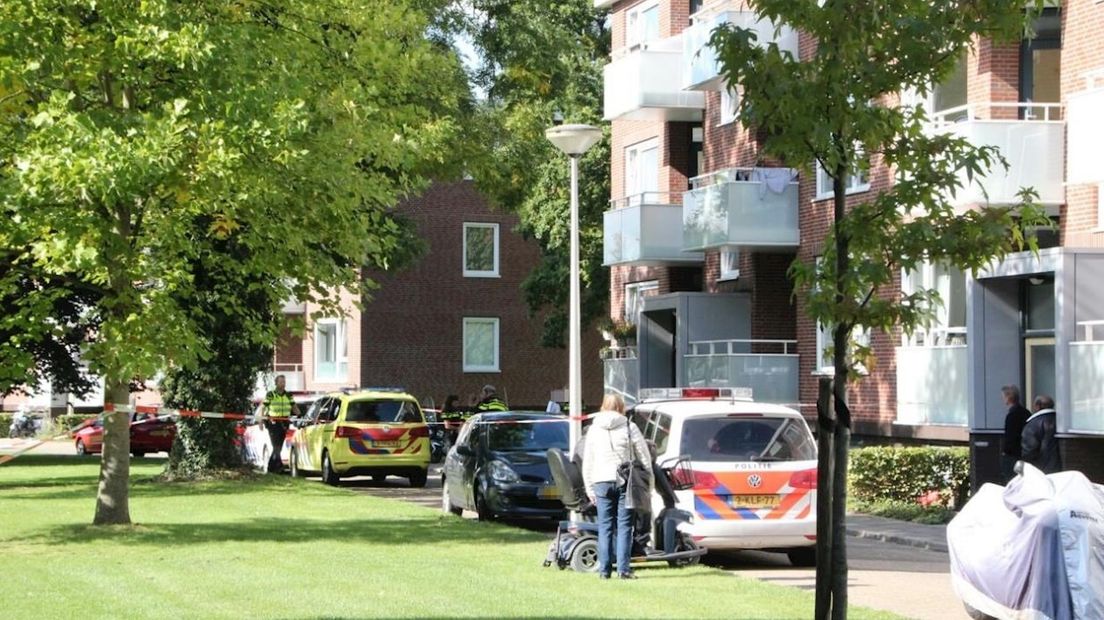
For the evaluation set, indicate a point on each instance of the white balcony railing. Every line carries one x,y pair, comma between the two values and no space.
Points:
753,208
645,229
936,337
703,69
1085,118
768,367
621,373
1087,386
931,384
293,376
1030,136
645,83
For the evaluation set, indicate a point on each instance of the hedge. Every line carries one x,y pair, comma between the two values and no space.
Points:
907,474
68,422
5,424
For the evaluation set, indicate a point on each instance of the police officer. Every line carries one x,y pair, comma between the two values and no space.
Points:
278,404
491,401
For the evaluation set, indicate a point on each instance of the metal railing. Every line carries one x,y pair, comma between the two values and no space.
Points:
279,368
936,337
733,175
671,199
1090,328
619,353
1022,111
710,9
741,347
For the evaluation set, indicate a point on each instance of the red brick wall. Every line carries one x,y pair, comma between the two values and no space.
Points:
412,327
1082,52
289,347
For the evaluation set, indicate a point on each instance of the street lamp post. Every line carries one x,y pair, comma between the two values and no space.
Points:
574,140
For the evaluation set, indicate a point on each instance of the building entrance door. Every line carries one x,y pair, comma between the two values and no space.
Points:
1039,368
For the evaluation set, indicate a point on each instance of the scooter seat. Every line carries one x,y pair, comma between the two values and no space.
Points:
569,481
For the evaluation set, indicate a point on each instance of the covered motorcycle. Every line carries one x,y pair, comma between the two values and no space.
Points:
1032,550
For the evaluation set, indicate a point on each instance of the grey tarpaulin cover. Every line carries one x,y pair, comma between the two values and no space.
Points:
1033,549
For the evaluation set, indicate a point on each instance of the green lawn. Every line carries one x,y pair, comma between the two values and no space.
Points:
283,548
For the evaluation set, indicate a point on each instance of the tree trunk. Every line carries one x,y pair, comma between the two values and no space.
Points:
825,481
839,506
113,496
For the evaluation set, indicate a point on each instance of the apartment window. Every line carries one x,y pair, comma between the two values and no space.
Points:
642,24
634,298
730,98
949,323
1041,64
480,344
730,264
825,365
480,250
331,350
642,169
856,183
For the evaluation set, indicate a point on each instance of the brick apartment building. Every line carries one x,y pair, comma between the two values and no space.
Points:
703,227
449,324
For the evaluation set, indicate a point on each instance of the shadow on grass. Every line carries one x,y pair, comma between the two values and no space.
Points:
77,487
381,532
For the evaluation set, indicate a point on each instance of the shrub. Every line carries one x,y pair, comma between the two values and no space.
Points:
902,511
908,474
5,424
66,423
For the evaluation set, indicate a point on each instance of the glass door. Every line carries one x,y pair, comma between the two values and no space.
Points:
1039,368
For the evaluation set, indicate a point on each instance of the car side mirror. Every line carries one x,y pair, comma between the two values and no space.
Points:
464,451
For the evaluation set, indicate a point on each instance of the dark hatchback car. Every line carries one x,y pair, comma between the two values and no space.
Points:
499,467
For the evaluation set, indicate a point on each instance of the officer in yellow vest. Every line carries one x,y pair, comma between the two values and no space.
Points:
278,404
491,401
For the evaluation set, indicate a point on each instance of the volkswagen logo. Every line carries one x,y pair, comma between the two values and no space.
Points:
755,481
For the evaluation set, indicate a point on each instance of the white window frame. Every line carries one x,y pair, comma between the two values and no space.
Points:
469,320
634,187
1100,203
857,183
341,351
729,256
730,98
470,273
634,31
938,278
824,340
636,291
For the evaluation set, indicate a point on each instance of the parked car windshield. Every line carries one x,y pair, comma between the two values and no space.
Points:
527,436
747,439
383,411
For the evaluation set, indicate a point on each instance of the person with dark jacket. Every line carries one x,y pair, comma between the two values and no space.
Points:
1014,420
491,401
1039,444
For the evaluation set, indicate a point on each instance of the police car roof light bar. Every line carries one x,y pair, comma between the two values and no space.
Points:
713,393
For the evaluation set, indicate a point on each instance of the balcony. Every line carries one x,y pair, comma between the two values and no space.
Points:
645,229
645,83
1085,116
753,208
931,378
1087,380
621,373
1030,136
704,71
768,367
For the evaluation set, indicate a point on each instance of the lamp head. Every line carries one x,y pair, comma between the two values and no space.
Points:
573,140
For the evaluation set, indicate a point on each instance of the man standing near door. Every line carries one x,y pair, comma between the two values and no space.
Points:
1039,444
1014,420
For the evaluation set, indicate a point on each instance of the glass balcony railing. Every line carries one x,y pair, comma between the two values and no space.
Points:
645,83
768,367
931,380
1087,379
1085,117
621,373
703,70
645,229
754,208
1030,136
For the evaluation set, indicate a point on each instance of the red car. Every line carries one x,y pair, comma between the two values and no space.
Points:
147,434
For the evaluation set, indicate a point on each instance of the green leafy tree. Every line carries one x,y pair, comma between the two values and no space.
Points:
290,126
537,60
839,108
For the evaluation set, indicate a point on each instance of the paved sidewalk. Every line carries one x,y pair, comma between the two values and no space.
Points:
931,537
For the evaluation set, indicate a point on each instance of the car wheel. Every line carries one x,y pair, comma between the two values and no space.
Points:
329,476
138,454
482,510
802,556
418,480
584,557
685,543
294,465
379,478
446,501
82,450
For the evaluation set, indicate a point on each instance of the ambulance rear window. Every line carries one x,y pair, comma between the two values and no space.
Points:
389,411
747,439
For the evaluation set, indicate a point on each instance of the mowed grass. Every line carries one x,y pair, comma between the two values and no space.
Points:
275,547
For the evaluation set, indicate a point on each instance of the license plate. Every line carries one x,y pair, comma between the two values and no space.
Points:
549,493
385,444
753,501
